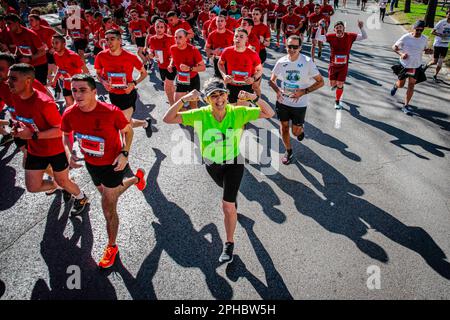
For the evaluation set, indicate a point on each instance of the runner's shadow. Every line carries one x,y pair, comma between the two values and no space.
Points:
343,211
9,192
60,252
433,116
360,76
275,289
402,137
176,235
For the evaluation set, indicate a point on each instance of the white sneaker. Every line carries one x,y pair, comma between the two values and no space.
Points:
337,106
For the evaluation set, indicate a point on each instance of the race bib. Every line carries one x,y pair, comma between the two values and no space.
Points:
325,14
290,28
340,59
159,56
25,51
410,71
271,15
183,15
91,145
28,121
184,78
117,80
66,76
137,33
11,109
75,34
290,88
239,76
280,14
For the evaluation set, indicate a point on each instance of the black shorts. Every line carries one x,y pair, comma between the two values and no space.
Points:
50,58
287,113
263,55
140,42
403,73
66,92
227,176
234,91
80,44
440,52
58,162
105,175
64,23
278,26
165,74
97,50
195,84
20,142
124,101
41,73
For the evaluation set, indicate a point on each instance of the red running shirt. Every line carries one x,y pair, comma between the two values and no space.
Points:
98,131
117,70
45,34
68,64
162,46
218,40
340,48
40,113
290,23
189,56
28,43
139,27
240,64
180,25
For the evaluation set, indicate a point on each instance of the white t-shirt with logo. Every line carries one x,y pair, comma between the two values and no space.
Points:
442,27
414,47
297,74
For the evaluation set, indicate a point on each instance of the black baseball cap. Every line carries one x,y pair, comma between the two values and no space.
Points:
213,86
420,24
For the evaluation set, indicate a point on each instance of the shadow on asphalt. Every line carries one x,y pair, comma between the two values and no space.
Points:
9,192
60,252
433,116
2,288
403,138
344,212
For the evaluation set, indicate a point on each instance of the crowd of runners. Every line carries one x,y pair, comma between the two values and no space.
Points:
39,63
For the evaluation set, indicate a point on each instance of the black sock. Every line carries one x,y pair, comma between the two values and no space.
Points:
289,151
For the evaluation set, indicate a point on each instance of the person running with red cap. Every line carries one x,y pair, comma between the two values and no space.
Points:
105,136
341,43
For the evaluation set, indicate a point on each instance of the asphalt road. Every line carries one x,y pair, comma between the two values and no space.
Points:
369,191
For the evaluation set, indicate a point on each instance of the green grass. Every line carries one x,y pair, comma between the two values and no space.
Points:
418,11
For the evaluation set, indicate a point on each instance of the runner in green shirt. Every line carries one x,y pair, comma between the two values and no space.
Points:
219,127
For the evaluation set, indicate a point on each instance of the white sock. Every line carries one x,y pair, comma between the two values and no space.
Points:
80,196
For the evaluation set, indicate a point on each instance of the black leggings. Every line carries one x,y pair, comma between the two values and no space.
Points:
228,177
382,13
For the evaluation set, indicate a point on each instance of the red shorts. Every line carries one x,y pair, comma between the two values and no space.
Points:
337,73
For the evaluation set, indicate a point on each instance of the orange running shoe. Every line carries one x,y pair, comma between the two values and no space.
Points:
109,256
141,184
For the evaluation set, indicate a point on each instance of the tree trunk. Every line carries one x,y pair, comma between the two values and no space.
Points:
407,6
431,12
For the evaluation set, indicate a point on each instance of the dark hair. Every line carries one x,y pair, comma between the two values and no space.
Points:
34,16
60,37
86,78
223,13
8,57
12,17
159,20
155,18
97,14
257,9
240,29
183,31
249,21
23,68
339,23
114,32
172,14
106,19
295,37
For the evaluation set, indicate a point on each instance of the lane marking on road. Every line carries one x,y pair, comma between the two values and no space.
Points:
338,121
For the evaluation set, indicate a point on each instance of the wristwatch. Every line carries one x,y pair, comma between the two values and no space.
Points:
306,90
135,83
190,68
125,153
256,100
34,136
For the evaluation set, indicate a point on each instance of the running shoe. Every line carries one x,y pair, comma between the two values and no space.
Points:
394,90
79,205
436,80
407,110
301,136
227,253
319,54
337,106
333,88
148,129
7,138
141,184
109,256
287,158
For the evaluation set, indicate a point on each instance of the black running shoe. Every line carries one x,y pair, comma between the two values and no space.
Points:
227,253
301,136
394,90
7,138
79,205
148,130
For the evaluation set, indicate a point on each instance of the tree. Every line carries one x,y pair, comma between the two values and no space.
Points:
431,12
407,6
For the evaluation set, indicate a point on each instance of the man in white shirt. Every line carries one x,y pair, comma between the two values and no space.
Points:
410,48
299,77
442,32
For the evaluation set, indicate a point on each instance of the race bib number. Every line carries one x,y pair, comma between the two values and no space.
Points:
290,88
290,28
280,14
137,33
75,34
117,80
340,59
271,15
11,110
184,78
326,14
410,72
91,145
159,56
65,75
29,122
25,51
239,76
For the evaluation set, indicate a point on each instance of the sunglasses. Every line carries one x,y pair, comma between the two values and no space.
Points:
292,46
421,30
